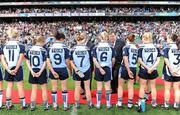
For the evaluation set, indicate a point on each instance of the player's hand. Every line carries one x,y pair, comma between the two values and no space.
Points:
130,73
10,72
81,74
150,70
38,74
33,73
14,72
55,74
174,72
102,71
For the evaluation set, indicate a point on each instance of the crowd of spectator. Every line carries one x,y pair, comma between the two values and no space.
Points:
29,30
120,10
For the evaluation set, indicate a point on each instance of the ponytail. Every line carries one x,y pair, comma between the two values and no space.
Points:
178,43
175,39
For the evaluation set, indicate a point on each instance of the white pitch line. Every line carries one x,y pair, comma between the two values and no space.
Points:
74,111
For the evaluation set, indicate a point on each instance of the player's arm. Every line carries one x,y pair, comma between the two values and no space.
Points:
140,61
157,61
21,57
155,64
4,63
29,66
67,59
126,62
49,65
28,62
42,68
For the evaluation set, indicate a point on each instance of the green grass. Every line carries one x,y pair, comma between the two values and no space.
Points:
84,110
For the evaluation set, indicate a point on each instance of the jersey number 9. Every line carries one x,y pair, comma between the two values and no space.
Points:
57,58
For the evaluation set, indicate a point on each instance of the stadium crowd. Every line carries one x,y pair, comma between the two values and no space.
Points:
29,30
119,10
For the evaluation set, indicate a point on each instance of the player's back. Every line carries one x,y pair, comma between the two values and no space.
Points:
104,53
173,54
149,53
37,56
58,53
11,51
131,51
81,56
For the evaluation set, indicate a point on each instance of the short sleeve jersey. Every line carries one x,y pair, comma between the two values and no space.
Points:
58,53
80,55
37,56
149,54
104,53
12,51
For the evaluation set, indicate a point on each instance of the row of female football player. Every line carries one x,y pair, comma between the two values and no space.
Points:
57,59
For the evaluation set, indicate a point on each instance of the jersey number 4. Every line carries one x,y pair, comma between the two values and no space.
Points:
150,58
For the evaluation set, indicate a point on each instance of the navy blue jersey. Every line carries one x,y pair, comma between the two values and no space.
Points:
172,53
58,53
149,53
37,56
12,51
131,52
80,55
104,53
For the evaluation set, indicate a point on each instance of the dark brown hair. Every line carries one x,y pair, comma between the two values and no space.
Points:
174,38
59,35
131,37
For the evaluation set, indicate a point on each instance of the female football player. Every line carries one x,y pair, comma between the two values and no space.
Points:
80,62
36,62
171,70
1,83
58,63
103,58
148,57
12,57
128,71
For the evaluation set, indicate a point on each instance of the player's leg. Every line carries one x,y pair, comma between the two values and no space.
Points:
45,96
177,94
88,93
99,94
20,87
77,93
108,94
33,96
167,87
153,92
65,93
1,94
142,90
130,93
120,92
147,91
54,93
9,94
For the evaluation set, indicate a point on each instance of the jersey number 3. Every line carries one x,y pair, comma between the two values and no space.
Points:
177,58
